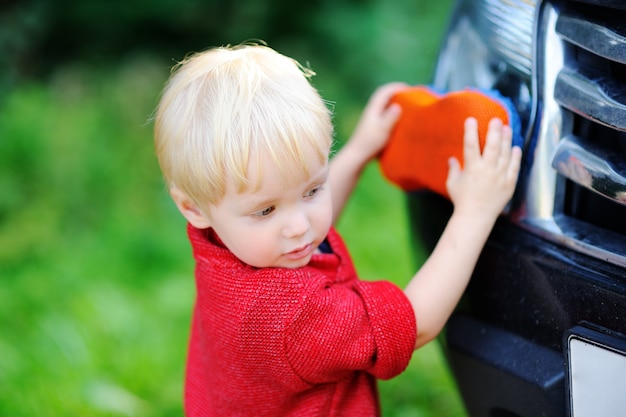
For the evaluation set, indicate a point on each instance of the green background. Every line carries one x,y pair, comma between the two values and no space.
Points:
96,271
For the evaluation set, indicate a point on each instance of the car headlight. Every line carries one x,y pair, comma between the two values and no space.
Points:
490,46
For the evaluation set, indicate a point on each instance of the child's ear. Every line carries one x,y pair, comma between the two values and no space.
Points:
192,213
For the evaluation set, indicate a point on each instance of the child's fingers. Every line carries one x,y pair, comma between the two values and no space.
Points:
514,164
380,98
454,171
471,147
493,142
506,144
391,115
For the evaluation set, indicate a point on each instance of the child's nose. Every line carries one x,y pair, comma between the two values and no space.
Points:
297,225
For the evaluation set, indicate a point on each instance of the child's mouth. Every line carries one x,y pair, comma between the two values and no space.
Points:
301,252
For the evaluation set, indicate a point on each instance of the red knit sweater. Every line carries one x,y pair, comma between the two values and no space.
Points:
291,342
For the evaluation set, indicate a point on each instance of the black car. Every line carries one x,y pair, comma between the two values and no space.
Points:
541,330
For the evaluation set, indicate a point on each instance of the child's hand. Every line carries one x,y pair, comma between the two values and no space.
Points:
486,183
479,192
376,122
369,138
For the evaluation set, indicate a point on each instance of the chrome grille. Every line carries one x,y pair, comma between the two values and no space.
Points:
592,86
575,190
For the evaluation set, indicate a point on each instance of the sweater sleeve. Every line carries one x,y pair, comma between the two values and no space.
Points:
366,326
393,326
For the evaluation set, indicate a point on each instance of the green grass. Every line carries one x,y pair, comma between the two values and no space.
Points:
94,264
97,276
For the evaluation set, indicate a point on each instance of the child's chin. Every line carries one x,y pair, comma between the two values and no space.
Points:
296,263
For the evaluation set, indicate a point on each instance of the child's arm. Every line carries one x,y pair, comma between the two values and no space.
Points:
479,193
368,139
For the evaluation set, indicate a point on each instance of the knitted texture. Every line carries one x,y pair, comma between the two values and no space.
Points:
291,342
430,131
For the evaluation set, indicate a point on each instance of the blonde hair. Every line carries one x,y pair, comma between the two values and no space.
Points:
224,106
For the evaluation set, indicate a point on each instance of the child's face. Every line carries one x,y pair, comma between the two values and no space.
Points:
277,225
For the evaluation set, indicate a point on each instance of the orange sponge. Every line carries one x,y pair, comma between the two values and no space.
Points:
430,131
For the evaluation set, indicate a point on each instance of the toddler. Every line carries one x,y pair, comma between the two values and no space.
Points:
282,325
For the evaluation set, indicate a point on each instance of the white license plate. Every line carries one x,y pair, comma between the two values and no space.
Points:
596,374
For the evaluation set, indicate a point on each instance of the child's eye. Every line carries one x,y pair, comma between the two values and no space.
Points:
265,212
312,191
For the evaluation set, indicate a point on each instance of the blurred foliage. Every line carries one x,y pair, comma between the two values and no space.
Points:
36,36
96,270
90,267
